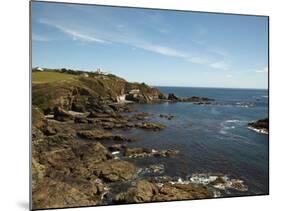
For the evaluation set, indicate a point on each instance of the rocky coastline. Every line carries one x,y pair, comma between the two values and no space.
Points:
79,156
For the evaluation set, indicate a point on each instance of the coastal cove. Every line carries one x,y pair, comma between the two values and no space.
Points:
213,138
152,144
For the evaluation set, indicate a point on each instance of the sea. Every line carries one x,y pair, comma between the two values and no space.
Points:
212,139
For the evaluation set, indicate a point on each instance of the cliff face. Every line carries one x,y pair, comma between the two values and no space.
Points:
79,92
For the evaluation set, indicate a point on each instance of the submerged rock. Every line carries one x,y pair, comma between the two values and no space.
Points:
145,152
169,117
150,126
141,116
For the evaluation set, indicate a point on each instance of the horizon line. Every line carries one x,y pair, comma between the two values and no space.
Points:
209,87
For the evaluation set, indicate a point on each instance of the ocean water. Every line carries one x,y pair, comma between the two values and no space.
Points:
212,139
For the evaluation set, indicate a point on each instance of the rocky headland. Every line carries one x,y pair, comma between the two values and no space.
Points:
79,155
260,126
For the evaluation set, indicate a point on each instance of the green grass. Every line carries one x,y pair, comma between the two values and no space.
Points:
47,77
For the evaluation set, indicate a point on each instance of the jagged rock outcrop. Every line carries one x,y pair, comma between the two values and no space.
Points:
67,172
115,170
102,135
194,99
145,191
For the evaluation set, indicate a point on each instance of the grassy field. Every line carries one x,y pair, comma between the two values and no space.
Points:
47,77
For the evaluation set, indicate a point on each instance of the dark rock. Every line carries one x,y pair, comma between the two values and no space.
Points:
80,120
47,111
78,107
198,100
172,96
49,131
171,153
162,97
169,117
123,138
117,147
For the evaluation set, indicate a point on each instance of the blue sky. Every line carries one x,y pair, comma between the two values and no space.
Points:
158,47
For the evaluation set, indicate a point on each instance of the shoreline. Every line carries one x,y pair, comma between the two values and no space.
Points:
76,143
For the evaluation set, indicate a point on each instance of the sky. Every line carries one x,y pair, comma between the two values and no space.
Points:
158,47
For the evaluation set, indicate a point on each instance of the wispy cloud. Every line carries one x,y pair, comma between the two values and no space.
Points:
40,38
199,60
221,65
262,70
172,52
162,50
133,41
76,35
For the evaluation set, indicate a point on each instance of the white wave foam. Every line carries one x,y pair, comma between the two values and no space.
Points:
157,168
244,104
262,131
219,182
228,125
232,120
203,179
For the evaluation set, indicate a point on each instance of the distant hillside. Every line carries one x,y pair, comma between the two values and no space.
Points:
73,90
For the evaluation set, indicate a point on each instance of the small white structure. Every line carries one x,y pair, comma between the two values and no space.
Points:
100,72
39,69
121,98
85,75
134,91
